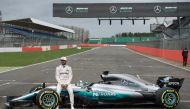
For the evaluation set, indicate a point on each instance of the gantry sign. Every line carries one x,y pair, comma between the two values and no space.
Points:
118,10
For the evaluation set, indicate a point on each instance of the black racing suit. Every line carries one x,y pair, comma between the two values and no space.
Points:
185,56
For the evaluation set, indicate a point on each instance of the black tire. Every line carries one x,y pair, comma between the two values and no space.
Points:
167,97
47,99
36,88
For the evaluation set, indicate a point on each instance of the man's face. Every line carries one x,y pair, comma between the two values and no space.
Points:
63,62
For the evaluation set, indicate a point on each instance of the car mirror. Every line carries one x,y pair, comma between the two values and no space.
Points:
89,89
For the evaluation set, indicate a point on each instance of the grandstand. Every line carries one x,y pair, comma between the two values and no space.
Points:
32,32
174,30
179,31
174,36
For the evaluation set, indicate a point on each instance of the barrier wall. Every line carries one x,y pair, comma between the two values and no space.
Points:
36,49
114,45
69,46
31,49
93,45
100,45
54,47
46,48
62,46
174,55
74,46
14,49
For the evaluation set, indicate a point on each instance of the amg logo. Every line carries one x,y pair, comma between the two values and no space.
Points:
173,83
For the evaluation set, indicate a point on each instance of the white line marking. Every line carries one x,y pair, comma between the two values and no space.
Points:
3,96
185,101
9,80
4,84
158,60
83,52
44,70
11,68
48,61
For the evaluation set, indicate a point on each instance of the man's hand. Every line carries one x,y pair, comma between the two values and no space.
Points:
64,86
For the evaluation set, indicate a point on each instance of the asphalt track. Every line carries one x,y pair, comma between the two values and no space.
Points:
88,66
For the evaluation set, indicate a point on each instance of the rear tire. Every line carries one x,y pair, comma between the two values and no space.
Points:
47,99
167,97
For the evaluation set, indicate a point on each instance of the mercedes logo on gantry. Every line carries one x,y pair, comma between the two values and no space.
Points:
113,9
69,10
157,9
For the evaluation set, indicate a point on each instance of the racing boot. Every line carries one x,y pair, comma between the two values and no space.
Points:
72,107
57,107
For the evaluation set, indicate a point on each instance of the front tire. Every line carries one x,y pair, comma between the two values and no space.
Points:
47,99
167,97
36,88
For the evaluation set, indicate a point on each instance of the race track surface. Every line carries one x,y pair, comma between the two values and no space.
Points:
88,66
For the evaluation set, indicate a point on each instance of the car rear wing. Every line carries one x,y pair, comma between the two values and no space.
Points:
169,81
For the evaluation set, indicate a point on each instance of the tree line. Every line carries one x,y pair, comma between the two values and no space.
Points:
130,34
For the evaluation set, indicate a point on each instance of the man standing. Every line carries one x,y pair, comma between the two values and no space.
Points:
185,56
64,77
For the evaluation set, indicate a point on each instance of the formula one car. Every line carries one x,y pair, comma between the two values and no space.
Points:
113,89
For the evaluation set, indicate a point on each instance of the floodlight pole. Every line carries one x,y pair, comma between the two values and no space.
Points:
33,35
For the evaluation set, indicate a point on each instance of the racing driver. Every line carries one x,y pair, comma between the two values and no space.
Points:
64,77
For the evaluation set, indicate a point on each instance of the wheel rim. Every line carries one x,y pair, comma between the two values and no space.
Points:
170,99
48,100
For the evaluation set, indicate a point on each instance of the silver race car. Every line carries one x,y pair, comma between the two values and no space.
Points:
114,89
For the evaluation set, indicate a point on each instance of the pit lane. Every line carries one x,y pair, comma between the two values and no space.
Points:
88,66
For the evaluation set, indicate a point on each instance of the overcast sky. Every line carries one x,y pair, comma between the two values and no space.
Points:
42,10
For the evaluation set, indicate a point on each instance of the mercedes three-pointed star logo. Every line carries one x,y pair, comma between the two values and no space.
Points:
69,10
113,9
157,9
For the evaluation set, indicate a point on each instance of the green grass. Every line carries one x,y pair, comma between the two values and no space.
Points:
22,59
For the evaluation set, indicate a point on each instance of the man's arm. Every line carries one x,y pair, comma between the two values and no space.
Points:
70,76
57,75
